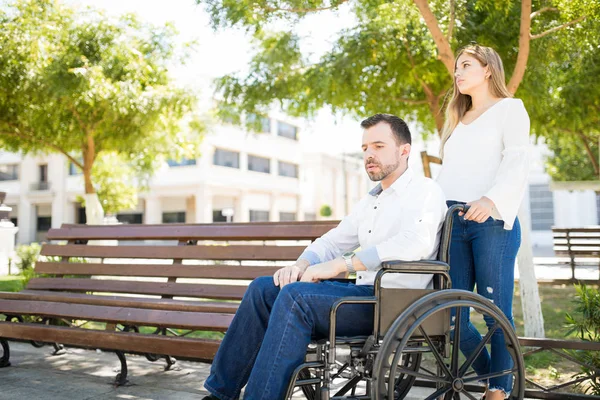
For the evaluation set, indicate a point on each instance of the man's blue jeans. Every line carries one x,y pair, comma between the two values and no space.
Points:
271,330
485,254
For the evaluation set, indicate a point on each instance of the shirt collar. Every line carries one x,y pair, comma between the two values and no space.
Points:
399,184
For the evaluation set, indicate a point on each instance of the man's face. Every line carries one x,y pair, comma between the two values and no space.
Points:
381,153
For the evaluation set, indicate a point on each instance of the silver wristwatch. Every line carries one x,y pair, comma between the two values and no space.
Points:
348,260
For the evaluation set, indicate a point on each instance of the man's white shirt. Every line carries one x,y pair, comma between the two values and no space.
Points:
402,222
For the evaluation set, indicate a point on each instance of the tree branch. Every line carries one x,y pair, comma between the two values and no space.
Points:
524,42
303,10
588,149
445,51
31,138
432,100
542,10
557,28
452,20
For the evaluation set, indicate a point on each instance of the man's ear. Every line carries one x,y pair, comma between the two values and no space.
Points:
405,150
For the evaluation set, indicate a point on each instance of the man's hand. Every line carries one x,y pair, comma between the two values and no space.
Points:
480,210
323,271
290,274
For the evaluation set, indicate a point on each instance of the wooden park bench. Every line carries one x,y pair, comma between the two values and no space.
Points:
577,243
153,292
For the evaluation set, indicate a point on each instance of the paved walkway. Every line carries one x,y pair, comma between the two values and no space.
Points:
88,375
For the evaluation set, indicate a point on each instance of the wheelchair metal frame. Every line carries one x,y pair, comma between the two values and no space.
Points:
365,349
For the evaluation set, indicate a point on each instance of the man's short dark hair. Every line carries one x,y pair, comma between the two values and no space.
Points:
399,127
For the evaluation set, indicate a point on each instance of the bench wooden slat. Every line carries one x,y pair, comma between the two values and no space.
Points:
261,231
119,315
122,301
202,349
210,291
240,252
587,253
156,270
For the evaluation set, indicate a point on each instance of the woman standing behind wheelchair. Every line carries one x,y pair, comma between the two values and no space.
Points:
485,165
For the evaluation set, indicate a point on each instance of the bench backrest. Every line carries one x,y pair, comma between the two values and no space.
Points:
208,261
576,242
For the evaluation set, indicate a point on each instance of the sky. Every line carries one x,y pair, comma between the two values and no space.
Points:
230,50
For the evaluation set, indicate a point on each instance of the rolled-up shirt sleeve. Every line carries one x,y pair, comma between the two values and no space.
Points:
337,241
511,179
418,236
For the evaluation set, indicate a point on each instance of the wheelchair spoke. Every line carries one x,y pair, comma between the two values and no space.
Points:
435,353
439,392
416,374
477,351
456,347
492,375
469,395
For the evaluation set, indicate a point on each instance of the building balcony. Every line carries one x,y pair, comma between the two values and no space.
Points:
39,186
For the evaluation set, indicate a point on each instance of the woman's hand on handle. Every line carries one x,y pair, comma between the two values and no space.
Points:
480,210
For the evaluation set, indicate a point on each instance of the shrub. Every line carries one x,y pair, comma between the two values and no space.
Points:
585,322
325,211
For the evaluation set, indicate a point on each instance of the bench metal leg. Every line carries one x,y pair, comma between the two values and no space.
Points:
4,361
121,378
170,362
59,349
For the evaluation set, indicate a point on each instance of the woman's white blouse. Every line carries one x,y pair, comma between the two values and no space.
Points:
490,157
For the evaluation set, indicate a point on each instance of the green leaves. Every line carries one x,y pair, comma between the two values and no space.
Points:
92,86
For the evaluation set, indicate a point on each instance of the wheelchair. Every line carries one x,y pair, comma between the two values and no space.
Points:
413,337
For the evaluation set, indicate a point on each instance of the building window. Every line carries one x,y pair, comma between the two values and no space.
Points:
80,216
310,216
263,123
74,169
598,207
226,158
218,216
287,216
15,221
287,130
288,169
542,207
259,164
182,163
44,224
259,216
9,172
130,218
173,217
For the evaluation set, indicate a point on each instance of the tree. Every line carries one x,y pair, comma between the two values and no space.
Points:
398,58
84,85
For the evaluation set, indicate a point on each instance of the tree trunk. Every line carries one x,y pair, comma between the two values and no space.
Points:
445,53
94,213
533,318
524,40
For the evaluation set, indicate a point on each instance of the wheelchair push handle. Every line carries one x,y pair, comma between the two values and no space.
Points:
458,207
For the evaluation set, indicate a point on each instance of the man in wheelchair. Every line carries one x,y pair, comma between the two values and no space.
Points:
400,219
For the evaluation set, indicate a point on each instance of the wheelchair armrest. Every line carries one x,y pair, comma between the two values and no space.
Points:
416,267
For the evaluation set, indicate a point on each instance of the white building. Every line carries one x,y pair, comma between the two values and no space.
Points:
254,176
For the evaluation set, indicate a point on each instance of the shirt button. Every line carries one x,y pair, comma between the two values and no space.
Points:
369,231
375,208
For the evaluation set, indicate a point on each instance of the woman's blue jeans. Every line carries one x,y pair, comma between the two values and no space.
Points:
271,330
483,255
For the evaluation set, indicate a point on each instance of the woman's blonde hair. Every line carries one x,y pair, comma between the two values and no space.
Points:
461,103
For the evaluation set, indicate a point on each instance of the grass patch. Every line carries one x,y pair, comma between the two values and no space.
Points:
11,283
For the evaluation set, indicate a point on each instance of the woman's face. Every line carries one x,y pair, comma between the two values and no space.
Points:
469,74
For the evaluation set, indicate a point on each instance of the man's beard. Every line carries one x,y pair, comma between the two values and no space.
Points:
384,170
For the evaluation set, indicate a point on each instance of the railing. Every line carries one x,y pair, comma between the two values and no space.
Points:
38,186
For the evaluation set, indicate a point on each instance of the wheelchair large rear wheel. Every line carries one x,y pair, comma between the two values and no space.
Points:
447,376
